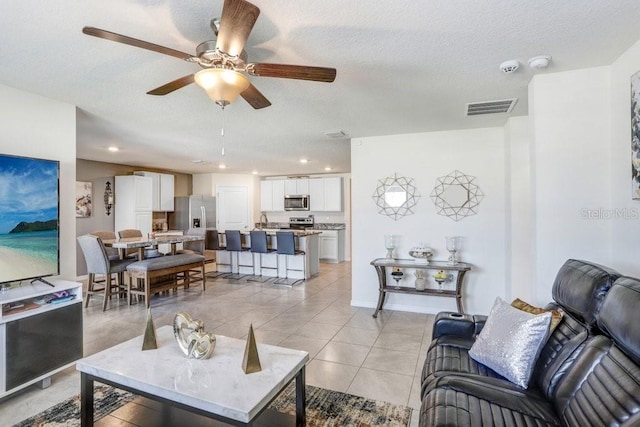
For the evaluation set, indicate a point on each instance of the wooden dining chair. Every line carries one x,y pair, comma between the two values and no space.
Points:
112,253
130,233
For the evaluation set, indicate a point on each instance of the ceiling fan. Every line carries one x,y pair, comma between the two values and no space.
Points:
224,60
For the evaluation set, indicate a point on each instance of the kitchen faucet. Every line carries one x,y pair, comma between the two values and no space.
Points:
265,222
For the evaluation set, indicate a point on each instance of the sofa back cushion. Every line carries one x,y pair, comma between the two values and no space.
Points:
580,287
602,386
619,317
559,352
578,291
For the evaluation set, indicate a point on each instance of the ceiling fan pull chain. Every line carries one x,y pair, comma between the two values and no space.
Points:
222,131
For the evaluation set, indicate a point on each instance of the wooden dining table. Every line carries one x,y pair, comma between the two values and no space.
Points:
140,243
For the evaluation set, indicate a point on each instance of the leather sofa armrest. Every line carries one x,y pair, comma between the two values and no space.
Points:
479,320
456,324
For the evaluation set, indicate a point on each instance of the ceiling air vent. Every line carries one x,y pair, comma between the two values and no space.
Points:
336,134
491,107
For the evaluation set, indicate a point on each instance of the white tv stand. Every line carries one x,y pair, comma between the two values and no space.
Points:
38,339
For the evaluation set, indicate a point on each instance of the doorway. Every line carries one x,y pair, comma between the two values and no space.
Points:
232,205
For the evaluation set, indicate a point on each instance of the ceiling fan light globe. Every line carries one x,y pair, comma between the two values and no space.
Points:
222,85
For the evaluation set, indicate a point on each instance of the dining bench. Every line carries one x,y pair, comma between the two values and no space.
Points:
155,275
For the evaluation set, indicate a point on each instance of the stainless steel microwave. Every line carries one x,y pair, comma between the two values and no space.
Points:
296,203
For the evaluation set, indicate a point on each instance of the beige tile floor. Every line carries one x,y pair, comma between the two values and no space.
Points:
349,350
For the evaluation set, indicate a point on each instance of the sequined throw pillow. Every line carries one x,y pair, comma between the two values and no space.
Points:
510,341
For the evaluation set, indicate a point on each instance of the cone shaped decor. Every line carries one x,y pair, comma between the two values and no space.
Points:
251,360
149,342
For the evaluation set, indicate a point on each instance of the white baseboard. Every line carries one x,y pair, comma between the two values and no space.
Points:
399,307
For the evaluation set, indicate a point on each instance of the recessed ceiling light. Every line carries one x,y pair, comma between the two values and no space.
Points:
113,148
255,172
304,161
328,168
222,166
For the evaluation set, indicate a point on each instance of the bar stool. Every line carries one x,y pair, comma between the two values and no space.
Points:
286,242
260,249
234,244
212,242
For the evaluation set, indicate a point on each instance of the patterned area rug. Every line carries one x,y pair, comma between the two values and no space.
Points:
325,408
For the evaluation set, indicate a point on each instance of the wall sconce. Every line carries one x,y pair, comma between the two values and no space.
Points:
108,198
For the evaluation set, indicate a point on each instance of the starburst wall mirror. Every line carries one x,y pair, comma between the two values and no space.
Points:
396,196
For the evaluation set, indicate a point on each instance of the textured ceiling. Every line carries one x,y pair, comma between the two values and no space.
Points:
402,67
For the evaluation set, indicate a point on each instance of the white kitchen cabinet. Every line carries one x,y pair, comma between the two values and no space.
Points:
332,246
167,192
278,195
162,191
325,194
133,203
296,186
316,194
272,195
333,194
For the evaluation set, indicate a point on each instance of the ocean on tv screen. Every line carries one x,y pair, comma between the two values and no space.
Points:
28,218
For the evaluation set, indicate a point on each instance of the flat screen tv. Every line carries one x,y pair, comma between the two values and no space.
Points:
29,219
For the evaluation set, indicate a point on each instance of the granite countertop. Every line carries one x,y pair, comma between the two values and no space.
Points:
329,226
316,226
272,231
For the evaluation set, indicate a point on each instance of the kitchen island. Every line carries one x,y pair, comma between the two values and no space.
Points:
273,264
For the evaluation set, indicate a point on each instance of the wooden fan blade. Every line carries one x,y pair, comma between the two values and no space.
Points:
104,34
238,18
254,97
172,86
301,72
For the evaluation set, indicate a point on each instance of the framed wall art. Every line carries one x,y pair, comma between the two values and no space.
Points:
83,199
635,136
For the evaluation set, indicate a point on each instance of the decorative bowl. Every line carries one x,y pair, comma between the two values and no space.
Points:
421,254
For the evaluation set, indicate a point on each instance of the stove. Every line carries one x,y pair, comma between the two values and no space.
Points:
301,222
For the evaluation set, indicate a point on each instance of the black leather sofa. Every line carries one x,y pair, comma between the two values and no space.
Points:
587,373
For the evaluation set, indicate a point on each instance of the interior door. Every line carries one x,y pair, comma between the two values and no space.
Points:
232,206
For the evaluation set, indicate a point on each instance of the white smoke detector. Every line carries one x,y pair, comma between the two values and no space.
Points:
510,66
541,61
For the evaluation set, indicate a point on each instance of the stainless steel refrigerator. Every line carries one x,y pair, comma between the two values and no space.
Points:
194,212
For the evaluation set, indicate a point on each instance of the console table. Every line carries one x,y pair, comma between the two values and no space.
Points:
381,265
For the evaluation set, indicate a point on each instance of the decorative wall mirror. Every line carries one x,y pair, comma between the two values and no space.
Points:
456,195
396,196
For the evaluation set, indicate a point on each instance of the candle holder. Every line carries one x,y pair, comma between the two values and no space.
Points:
390,243
397,275
453,246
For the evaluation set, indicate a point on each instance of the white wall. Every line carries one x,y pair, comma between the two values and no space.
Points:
425,157
34,126
571,170
520,218
625,224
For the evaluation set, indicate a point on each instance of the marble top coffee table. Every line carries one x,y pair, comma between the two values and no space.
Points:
217,387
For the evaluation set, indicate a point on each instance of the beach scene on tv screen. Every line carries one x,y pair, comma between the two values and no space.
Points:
28,218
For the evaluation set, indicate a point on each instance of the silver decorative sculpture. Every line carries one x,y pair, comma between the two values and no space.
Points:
456,195
191,337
